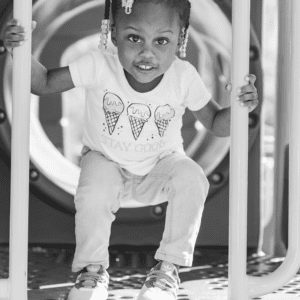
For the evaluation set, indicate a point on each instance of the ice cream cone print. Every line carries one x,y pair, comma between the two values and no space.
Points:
111,120
138,115
137,125
163,114
113,107
162,126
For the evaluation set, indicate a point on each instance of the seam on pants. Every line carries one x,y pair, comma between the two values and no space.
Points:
171,195
137,180
134,185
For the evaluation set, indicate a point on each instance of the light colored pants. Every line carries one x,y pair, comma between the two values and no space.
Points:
103,184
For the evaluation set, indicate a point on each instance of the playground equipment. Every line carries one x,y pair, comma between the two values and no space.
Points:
240,286
71,25
16,286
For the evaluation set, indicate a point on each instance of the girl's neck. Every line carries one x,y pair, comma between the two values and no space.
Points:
142,87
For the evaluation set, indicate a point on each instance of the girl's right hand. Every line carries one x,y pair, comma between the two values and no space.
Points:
15,34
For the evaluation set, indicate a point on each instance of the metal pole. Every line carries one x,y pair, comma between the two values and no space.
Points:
274,245
291,264
18,248
282,117
238,188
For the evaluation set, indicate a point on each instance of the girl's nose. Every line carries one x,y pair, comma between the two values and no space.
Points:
147,52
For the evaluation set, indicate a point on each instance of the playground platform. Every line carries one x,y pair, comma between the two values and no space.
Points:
50,276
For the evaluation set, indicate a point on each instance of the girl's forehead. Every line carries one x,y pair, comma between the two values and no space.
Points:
157,16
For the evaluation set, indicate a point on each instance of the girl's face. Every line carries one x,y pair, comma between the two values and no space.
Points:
147,41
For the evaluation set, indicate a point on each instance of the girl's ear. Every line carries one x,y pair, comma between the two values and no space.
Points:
113,34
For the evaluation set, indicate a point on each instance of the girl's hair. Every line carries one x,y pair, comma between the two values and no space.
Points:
182,7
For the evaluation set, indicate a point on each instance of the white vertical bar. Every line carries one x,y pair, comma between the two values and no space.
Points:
294,166
237,278
291,264
282,122
18,249
4,289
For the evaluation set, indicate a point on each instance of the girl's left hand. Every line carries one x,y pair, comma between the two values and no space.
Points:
247,94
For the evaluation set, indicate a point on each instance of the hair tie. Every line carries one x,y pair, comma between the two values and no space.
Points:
128,6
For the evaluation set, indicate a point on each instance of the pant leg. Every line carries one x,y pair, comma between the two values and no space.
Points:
184,183
96,201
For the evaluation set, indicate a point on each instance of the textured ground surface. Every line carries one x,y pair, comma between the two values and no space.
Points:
50,278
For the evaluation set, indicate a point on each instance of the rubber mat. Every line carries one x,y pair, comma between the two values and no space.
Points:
50,276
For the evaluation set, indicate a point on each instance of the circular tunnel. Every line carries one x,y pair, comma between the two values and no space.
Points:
67,29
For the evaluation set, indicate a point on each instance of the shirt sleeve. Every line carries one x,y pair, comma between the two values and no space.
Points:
85,70
198,95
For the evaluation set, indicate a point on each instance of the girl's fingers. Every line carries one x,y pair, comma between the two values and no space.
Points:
228,87
246,89
15,44
33,25
13,22
247,97
250,104
247,94
13,36
12,41
251,78
10,30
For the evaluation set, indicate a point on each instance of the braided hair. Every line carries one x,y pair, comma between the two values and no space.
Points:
107,9
182,7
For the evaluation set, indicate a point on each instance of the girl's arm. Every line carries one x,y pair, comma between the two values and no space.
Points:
217,119
214,118
43,81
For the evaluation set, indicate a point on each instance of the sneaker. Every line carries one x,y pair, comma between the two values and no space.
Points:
162,283
91,284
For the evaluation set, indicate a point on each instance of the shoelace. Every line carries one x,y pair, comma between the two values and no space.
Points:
162,280
91,279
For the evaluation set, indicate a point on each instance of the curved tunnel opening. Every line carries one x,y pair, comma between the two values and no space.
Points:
67,29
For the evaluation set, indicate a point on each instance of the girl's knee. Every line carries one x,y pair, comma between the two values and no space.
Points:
97,170
190,172
100,184
96,199
188,168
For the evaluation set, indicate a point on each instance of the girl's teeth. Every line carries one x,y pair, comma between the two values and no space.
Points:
145,67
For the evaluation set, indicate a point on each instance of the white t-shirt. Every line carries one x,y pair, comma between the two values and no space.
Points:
132,128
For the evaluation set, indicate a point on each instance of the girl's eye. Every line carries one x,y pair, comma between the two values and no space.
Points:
162,42
134,39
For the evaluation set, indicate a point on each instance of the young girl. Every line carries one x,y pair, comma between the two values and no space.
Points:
132,137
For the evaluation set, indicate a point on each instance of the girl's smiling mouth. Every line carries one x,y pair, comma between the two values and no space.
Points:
145,67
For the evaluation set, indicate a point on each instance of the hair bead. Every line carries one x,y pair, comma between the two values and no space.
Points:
104,34
128,6
105,26
182,49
